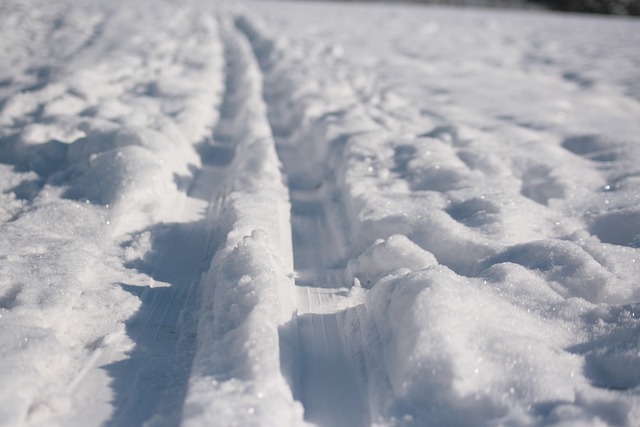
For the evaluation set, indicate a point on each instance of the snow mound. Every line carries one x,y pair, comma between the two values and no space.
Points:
384,257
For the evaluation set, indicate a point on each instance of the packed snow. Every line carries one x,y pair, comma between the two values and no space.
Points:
301,213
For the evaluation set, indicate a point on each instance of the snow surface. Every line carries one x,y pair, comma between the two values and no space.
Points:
286,214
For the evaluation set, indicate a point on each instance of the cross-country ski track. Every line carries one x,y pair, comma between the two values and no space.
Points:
304,213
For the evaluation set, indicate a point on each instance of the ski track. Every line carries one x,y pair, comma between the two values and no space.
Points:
230,286
325,383
151,384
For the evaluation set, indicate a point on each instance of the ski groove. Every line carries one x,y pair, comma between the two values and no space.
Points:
326,382
149,367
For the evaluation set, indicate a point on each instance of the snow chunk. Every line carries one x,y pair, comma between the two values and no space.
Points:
386,257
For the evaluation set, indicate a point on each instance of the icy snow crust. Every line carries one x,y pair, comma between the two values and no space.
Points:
282,214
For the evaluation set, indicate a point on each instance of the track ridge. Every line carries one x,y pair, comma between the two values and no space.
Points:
247,292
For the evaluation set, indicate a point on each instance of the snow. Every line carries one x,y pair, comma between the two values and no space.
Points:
305,213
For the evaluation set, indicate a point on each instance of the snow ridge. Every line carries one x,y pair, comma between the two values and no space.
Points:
236,377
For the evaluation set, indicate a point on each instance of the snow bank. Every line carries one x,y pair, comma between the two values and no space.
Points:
94,137
459,349
59,305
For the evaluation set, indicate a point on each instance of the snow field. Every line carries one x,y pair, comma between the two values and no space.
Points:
263,214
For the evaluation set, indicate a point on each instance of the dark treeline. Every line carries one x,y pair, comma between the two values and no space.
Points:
612,7
616,7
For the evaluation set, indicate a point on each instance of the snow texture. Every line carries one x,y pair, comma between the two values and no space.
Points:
303,213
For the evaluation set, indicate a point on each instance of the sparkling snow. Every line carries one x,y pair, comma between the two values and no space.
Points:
297,213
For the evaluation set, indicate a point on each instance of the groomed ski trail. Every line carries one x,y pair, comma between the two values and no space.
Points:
326,383
323,376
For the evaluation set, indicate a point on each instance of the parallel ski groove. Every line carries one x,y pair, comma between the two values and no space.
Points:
152,382
327,386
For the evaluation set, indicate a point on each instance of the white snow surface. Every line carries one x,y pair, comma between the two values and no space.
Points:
298,213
